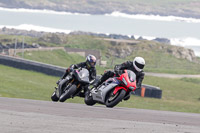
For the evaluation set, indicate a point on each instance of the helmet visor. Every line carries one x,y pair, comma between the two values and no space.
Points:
92,64
92,61
140,66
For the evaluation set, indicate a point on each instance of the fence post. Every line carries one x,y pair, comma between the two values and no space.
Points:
23,48
15,47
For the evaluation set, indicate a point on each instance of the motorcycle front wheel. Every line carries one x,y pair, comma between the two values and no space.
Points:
113,100
68,93
54,97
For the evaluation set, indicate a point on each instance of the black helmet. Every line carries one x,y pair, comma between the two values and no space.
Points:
90,61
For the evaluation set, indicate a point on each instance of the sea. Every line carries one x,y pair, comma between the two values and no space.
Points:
179,30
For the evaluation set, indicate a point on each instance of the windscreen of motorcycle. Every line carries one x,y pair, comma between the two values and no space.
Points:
84,75
131,75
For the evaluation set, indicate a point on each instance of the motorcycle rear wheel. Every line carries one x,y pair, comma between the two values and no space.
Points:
88,99
113,100
68,93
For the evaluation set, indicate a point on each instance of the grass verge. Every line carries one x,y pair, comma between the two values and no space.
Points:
181,95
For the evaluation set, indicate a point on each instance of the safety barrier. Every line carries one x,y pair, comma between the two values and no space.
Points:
31,65
149,91
145,91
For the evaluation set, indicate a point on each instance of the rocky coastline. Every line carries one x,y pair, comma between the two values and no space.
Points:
115,40
37,34
188,10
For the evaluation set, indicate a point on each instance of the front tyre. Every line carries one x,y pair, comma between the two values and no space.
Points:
68,93
88,99
54,97
113,100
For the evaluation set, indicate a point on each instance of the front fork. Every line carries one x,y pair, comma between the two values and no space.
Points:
60,89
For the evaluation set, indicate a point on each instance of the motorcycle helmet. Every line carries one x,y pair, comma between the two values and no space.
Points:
139,63
90,61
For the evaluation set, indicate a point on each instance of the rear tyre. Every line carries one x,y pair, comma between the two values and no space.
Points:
88,99
54,97
113,100
68,93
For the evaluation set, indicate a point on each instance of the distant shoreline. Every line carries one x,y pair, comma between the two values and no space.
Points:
181,15
36,31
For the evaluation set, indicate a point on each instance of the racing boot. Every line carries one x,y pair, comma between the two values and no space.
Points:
96,84
82,93
104,77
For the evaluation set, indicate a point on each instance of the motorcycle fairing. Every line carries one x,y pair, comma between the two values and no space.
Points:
82,75
119,88
100,94
131,83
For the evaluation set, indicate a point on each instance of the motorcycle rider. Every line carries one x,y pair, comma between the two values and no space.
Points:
136,66
89,64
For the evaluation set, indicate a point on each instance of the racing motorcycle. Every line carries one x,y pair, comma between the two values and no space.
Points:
72,85
113,90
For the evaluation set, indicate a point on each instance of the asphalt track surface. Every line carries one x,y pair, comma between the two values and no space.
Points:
34,116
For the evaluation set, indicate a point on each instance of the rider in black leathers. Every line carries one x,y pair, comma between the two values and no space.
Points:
89,64
136,66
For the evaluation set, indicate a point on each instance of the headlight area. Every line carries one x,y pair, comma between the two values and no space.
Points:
124,81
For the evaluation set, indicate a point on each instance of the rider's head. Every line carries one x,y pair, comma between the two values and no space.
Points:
139,63
90,61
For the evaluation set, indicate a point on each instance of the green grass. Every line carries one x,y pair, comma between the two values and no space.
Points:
192,80
57,57
9,39
54,57
181,95
160,62
25,84
17,83
86,42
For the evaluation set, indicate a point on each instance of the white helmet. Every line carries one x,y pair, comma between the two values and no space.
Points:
139,63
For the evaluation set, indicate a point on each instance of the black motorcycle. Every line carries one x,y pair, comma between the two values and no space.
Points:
73,85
